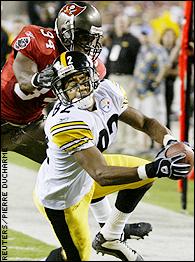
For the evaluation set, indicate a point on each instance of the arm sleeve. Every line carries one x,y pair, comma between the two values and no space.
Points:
118,93
26,43
72,136
33,42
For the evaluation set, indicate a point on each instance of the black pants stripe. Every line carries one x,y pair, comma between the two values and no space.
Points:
57,219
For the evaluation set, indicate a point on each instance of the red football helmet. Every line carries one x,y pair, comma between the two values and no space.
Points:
79,27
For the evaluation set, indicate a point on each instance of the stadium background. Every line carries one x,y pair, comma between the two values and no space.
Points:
14,16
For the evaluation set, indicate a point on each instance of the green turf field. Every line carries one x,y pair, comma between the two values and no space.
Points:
24,248
165,193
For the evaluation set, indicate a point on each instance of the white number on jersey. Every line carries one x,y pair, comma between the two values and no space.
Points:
49,34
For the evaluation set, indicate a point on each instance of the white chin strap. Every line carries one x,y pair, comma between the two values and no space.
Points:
84,103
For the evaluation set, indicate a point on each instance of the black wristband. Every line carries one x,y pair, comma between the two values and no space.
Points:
150,170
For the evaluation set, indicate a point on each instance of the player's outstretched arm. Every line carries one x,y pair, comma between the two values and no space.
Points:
92,160
150,126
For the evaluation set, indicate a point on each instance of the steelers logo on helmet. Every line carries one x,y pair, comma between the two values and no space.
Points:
75,79
79,27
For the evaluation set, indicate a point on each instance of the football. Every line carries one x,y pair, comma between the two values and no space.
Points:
180,147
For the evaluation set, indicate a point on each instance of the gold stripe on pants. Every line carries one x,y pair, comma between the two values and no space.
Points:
77,221
126,161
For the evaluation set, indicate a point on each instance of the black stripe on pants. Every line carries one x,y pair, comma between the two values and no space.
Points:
57,219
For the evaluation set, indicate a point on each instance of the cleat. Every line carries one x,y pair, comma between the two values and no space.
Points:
55,255
116,248
137,230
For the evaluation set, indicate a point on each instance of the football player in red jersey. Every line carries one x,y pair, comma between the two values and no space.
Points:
26,79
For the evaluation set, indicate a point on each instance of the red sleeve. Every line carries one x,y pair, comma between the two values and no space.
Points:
35,42
101,69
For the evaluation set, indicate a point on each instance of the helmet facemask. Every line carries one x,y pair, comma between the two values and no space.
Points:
89,43
74,39
79,27
66,33
65,84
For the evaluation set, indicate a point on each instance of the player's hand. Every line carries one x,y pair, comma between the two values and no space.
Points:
44,78
168,167
188,144
169,140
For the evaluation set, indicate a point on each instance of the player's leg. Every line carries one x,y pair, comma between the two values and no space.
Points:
127,199
33,142
135,230
71,229
101,209
125,204
8,133
28,140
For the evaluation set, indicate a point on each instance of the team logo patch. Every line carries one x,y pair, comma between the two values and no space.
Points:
105,104
22,42
165,170
73,9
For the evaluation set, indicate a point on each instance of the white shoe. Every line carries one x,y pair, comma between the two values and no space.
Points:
116,248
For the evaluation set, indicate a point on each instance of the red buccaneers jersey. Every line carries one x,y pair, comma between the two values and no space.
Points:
40,45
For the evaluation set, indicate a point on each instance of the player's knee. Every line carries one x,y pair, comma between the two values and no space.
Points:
128,199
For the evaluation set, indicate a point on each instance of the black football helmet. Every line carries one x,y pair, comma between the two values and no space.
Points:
68,65
80,24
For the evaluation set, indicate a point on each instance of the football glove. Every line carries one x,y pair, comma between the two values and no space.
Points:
169,139
44,78
188,144
168,167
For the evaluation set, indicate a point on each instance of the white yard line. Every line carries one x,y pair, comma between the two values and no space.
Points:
22,248
24,259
